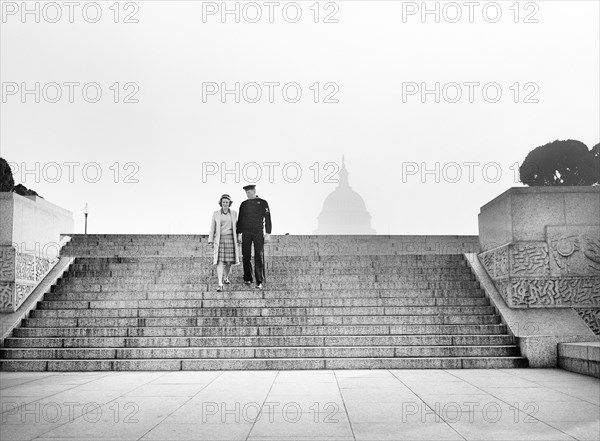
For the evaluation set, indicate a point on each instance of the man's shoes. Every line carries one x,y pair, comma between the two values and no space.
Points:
227,282
220,288
259,286
248,282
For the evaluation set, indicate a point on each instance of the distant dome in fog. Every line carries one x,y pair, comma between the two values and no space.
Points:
344,210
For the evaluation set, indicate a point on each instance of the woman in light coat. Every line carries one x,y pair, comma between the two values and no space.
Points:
223,236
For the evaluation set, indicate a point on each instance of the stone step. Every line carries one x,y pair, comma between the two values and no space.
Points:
284,249
340,257
282,263
263,352
288,245
379,319
31,339
206,265
263,364
580,357
205,252
155,327
367,332
345,297
280,237
122,271
233,304
273,278
271,248
286,260
79,310
167,320
79,287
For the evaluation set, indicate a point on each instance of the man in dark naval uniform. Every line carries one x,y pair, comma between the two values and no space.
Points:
253,212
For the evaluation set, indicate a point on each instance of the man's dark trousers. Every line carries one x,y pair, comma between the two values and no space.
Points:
256,237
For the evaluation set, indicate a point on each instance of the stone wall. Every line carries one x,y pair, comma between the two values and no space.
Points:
29,244
541,247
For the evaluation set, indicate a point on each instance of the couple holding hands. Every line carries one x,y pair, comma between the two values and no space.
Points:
228,227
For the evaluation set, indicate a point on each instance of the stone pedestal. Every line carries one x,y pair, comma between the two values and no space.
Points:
541,247
30,229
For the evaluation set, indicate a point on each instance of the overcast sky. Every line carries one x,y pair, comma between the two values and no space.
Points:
167,151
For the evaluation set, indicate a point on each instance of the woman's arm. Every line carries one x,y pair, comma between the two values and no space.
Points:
211,235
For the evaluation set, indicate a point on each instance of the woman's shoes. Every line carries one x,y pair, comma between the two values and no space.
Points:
220,288
227,282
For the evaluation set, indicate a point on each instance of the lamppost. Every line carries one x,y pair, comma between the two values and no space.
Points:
85,211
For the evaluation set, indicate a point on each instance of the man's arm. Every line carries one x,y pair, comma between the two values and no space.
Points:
267,218
240,222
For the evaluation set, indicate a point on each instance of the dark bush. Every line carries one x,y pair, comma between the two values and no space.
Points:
561,163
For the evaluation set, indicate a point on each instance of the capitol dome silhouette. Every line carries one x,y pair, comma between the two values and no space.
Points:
344,210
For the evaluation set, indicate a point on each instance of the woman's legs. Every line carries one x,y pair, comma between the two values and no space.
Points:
220,272
227,272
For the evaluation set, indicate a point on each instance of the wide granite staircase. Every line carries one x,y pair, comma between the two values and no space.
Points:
149,302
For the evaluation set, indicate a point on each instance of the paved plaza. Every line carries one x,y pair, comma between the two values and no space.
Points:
493,404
